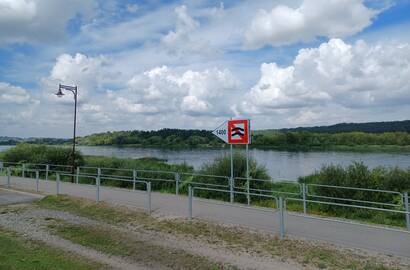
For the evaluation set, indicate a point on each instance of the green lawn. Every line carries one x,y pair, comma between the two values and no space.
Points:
20,254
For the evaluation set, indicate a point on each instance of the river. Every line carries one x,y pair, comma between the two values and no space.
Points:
280,164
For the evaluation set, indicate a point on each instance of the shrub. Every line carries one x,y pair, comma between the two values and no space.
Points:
221,166
41,154
360,176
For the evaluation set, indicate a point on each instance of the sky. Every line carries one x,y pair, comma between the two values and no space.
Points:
148,65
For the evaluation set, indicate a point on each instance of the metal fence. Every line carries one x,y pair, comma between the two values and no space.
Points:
241,192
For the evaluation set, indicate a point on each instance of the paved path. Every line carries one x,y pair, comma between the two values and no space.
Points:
347,234
12,197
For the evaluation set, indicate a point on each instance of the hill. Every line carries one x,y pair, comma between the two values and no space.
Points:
370,127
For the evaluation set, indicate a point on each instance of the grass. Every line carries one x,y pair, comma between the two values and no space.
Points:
234,238
87,208
116,243
19,253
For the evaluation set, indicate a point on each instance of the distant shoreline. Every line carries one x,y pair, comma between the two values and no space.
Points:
292,148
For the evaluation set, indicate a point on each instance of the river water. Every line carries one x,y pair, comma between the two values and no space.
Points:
280,164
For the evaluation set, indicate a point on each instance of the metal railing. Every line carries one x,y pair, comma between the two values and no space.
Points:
240,186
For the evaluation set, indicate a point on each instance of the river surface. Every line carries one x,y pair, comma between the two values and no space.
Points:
280,164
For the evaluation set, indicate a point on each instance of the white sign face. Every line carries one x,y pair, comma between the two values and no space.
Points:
222,132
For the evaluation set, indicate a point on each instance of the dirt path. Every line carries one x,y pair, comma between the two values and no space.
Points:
32,222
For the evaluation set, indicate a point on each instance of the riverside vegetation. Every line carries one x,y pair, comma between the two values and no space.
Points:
354,175
289,140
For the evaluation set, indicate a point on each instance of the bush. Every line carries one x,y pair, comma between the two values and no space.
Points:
360,176
41,154
124,166
221,166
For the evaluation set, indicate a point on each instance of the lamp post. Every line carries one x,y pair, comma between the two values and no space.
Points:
60,93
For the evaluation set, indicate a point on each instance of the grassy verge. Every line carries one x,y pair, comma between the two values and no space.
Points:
120,244
302,252
19,253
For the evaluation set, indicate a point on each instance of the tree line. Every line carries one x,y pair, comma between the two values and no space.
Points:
273,139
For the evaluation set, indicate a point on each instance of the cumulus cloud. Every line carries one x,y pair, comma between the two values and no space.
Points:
313,18
183,40
88,73
13,94
164,90
39,20
351,76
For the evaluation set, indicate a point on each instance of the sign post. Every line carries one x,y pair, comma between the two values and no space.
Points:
236,132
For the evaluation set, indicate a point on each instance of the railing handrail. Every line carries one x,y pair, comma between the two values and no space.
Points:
205,175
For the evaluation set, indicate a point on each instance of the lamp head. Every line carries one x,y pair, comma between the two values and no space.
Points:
59,93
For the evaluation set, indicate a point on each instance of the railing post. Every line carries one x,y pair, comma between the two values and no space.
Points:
23,174
1,166
304,197
248,196
190,195
231,195
281,218
37,179
149,197
77,176
406,207
8,177
97,183
98,172
134,179
58,183
47,169
177,179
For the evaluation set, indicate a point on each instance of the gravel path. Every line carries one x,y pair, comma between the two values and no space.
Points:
31,223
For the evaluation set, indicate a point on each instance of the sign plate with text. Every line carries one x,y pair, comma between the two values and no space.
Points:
234,131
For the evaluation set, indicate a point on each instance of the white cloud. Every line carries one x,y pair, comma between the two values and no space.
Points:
88,73
313,18
132,8
163,90
39,20
13,94
185,25
352,76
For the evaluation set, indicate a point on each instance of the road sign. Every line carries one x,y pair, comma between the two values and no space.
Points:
234,132
238,132
222,132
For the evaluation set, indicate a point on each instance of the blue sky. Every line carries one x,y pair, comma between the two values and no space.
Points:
192,64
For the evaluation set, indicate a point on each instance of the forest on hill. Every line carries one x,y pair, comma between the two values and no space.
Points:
370,127
346,136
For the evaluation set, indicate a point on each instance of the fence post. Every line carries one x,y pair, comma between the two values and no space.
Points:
98,172
23,174
406,207
177,179
97,182
134,179
77,175
281,218
8,177
58,183
37,179
47,169
190,195
1,166
248,196
304,197
231,183
149,197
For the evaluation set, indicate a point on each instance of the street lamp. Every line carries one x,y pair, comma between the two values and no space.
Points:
60,93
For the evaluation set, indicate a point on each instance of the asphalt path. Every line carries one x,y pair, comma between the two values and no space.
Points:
13,197
345,233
